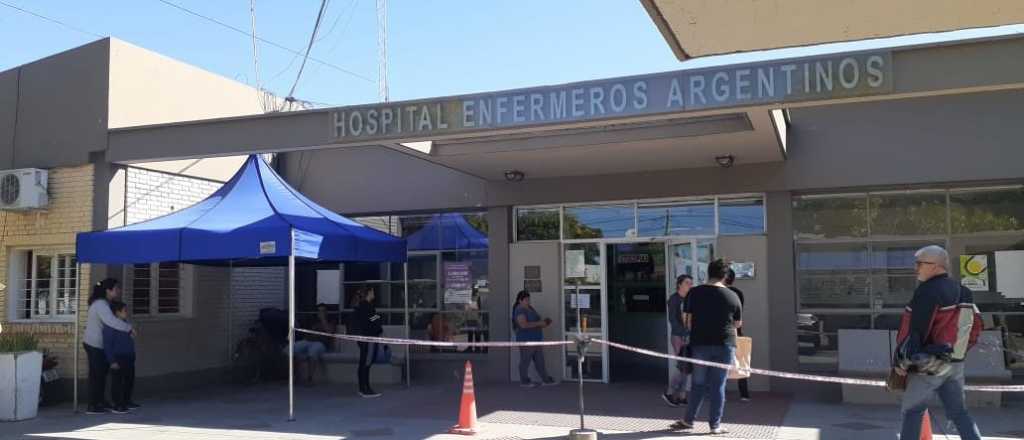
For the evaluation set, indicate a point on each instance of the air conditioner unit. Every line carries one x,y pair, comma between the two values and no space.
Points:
23,189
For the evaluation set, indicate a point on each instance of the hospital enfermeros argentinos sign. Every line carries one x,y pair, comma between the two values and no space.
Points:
777,82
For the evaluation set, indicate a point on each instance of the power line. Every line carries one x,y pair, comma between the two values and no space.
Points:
309,47
264,40
51,20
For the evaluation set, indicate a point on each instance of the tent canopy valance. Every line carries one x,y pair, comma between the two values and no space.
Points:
252,218
445,232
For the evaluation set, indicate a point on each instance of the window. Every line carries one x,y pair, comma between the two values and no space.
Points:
855,259
689,217
697,218
741,216
537,224
447,275
159,289
46,284
600,221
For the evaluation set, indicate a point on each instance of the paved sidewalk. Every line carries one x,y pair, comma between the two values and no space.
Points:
507,412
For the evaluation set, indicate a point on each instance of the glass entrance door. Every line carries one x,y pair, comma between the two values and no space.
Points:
584,287
690,257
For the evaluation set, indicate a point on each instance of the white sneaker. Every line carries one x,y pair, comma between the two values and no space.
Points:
719,430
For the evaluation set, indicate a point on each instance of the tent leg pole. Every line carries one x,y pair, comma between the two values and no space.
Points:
291,338
231,286
75,348
408,328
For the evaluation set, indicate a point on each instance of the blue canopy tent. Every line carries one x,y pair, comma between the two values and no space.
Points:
447,232
256,218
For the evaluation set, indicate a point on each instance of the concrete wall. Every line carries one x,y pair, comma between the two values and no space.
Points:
757,317
53,112
375,179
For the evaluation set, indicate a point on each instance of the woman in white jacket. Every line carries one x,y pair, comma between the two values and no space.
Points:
100,315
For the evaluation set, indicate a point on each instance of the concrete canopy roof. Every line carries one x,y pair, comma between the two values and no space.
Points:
697,28
661,137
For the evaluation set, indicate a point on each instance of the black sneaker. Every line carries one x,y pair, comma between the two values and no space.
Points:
133,406
549,383
528,385
119,410
96,410
369,394
681,425
670,400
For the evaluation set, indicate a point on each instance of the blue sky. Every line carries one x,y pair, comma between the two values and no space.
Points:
436,48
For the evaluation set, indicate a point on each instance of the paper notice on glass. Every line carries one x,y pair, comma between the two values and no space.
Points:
575,265
582,299
974,272
1010,273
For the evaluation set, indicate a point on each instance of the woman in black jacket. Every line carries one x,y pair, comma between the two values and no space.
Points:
367,323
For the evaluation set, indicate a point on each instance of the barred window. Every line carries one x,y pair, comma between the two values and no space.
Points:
46,284
158,289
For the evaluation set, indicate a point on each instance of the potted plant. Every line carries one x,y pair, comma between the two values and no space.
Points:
20,368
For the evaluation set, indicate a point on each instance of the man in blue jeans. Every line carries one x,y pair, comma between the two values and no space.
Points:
937,329
713,313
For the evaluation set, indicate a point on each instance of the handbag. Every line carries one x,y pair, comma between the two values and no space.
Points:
741,358
895,382
383,355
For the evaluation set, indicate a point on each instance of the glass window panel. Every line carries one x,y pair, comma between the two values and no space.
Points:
412,224
365,271
737,217
830,217
591,262
605,221
423,267
993,268
537,224
987,211
677,219
893,279
908,214
818,338
833,276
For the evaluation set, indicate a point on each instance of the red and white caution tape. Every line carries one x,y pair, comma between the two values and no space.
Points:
399,341
797,376
772,373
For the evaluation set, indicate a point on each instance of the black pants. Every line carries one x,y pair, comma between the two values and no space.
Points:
98,368
743,383
364,364
122,382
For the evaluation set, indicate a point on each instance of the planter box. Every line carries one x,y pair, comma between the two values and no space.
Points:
19,385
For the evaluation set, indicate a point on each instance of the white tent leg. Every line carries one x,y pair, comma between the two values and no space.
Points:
408,328
291,337
75,348
230,305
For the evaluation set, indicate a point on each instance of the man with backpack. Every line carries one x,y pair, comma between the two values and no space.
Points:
938,327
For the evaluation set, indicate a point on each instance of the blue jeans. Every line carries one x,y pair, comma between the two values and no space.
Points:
950,388
709,382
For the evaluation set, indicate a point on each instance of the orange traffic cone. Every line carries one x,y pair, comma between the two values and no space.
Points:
467,409
926,426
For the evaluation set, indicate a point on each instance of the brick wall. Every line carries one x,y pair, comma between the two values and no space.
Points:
151,194
52,230
254,288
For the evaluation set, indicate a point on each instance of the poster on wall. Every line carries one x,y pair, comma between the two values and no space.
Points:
744,270
974,272
458,282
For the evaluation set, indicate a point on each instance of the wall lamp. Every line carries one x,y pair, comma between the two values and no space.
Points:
514,176
725,161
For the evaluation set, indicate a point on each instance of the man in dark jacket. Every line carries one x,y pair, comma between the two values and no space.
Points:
367,322
937,329
119,348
